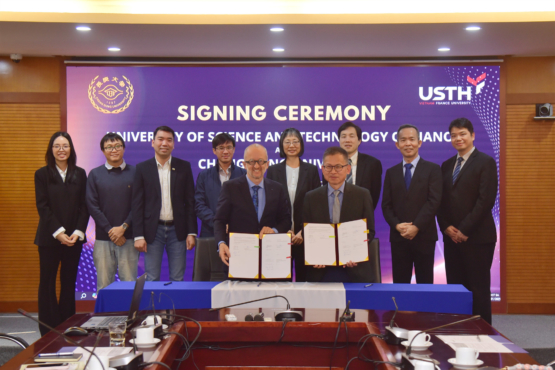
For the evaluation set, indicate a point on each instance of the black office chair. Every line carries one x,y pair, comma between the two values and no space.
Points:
374,272
7,353
201,268
218,270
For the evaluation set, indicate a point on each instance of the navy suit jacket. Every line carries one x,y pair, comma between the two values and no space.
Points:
147,199
207,194
418,204
467,203
236,209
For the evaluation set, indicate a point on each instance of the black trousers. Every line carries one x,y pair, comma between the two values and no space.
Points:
469,264
51,311
298,256
406,254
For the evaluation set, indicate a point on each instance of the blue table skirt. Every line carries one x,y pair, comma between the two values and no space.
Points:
409,297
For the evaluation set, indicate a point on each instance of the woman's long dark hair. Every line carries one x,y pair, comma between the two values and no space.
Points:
51,161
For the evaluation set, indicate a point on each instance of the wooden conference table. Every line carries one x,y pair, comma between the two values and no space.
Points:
305,345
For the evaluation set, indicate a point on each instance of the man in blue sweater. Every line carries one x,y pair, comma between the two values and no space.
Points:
210,180
109,190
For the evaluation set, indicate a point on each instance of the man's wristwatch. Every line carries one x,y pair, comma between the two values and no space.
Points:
125,226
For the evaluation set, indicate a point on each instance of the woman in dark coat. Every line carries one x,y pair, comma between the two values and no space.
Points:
297,178
63,216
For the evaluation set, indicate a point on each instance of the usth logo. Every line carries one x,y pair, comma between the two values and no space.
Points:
440,93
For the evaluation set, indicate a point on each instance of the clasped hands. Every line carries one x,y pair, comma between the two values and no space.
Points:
67,240
407,230
456,235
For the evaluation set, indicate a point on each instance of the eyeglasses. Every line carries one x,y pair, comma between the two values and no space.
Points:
110,148
58,147
337,167
260,162
229,148
291,143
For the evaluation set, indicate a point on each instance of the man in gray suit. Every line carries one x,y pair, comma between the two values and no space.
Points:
339,201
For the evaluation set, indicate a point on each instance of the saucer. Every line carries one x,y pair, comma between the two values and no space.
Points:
145,345
417,348
453,361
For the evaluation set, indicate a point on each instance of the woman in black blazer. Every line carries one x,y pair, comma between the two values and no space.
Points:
63,216
297,178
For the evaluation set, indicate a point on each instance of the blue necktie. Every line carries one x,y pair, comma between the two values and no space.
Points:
457,169
255,199
350,175
408,175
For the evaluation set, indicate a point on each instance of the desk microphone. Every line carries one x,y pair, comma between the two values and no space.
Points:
287,315
347,314
395,335
167,319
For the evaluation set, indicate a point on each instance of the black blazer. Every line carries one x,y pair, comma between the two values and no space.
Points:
369,176
356,205
418,204
236,209
467,203
147,199
60,205
309,179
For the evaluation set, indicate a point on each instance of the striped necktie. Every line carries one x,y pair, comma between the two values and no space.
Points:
457,169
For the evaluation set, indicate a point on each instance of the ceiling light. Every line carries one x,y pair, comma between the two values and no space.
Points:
276,29
443,49
114,49
83,28
278,50
473,28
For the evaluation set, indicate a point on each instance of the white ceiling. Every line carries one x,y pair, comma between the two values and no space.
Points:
304,41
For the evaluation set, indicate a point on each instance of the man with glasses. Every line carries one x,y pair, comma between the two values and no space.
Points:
339,201
109,192
164,208
251,204
210,180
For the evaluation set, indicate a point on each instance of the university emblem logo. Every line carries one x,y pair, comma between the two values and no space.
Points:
111,95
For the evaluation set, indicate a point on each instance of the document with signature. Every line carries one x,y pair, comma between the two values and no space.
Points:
244,250
319,244
276,256
336,244
352,239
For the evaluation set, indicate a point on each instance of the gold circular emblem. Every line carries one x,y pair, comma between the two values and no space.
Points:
111,95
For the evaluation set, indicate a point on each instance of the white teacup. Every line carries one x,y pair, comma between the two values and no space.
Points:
418,338
94,364
150,320
467,356
144,334
423,365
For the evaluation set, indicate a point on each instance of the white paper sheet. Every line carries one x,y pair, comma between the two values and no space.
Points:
243,262
319,244
276,256
481,343
352,241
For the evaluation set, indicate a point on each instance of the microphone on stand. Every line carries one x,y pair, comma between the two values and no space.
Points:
395,335
347,314
287,315
168,320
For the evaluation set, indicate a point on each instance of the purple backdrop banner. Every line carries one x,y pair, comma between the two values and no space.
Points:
255,104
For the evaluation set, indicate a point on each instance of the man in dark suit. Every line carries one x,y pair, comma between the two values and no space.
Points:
411,198
251,204
465,219
366,171
163,208
336,202
210,180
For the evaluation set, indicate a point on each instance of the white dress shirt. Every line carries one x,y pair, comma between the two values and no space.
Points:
164,173
292,175
354,161
464,157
